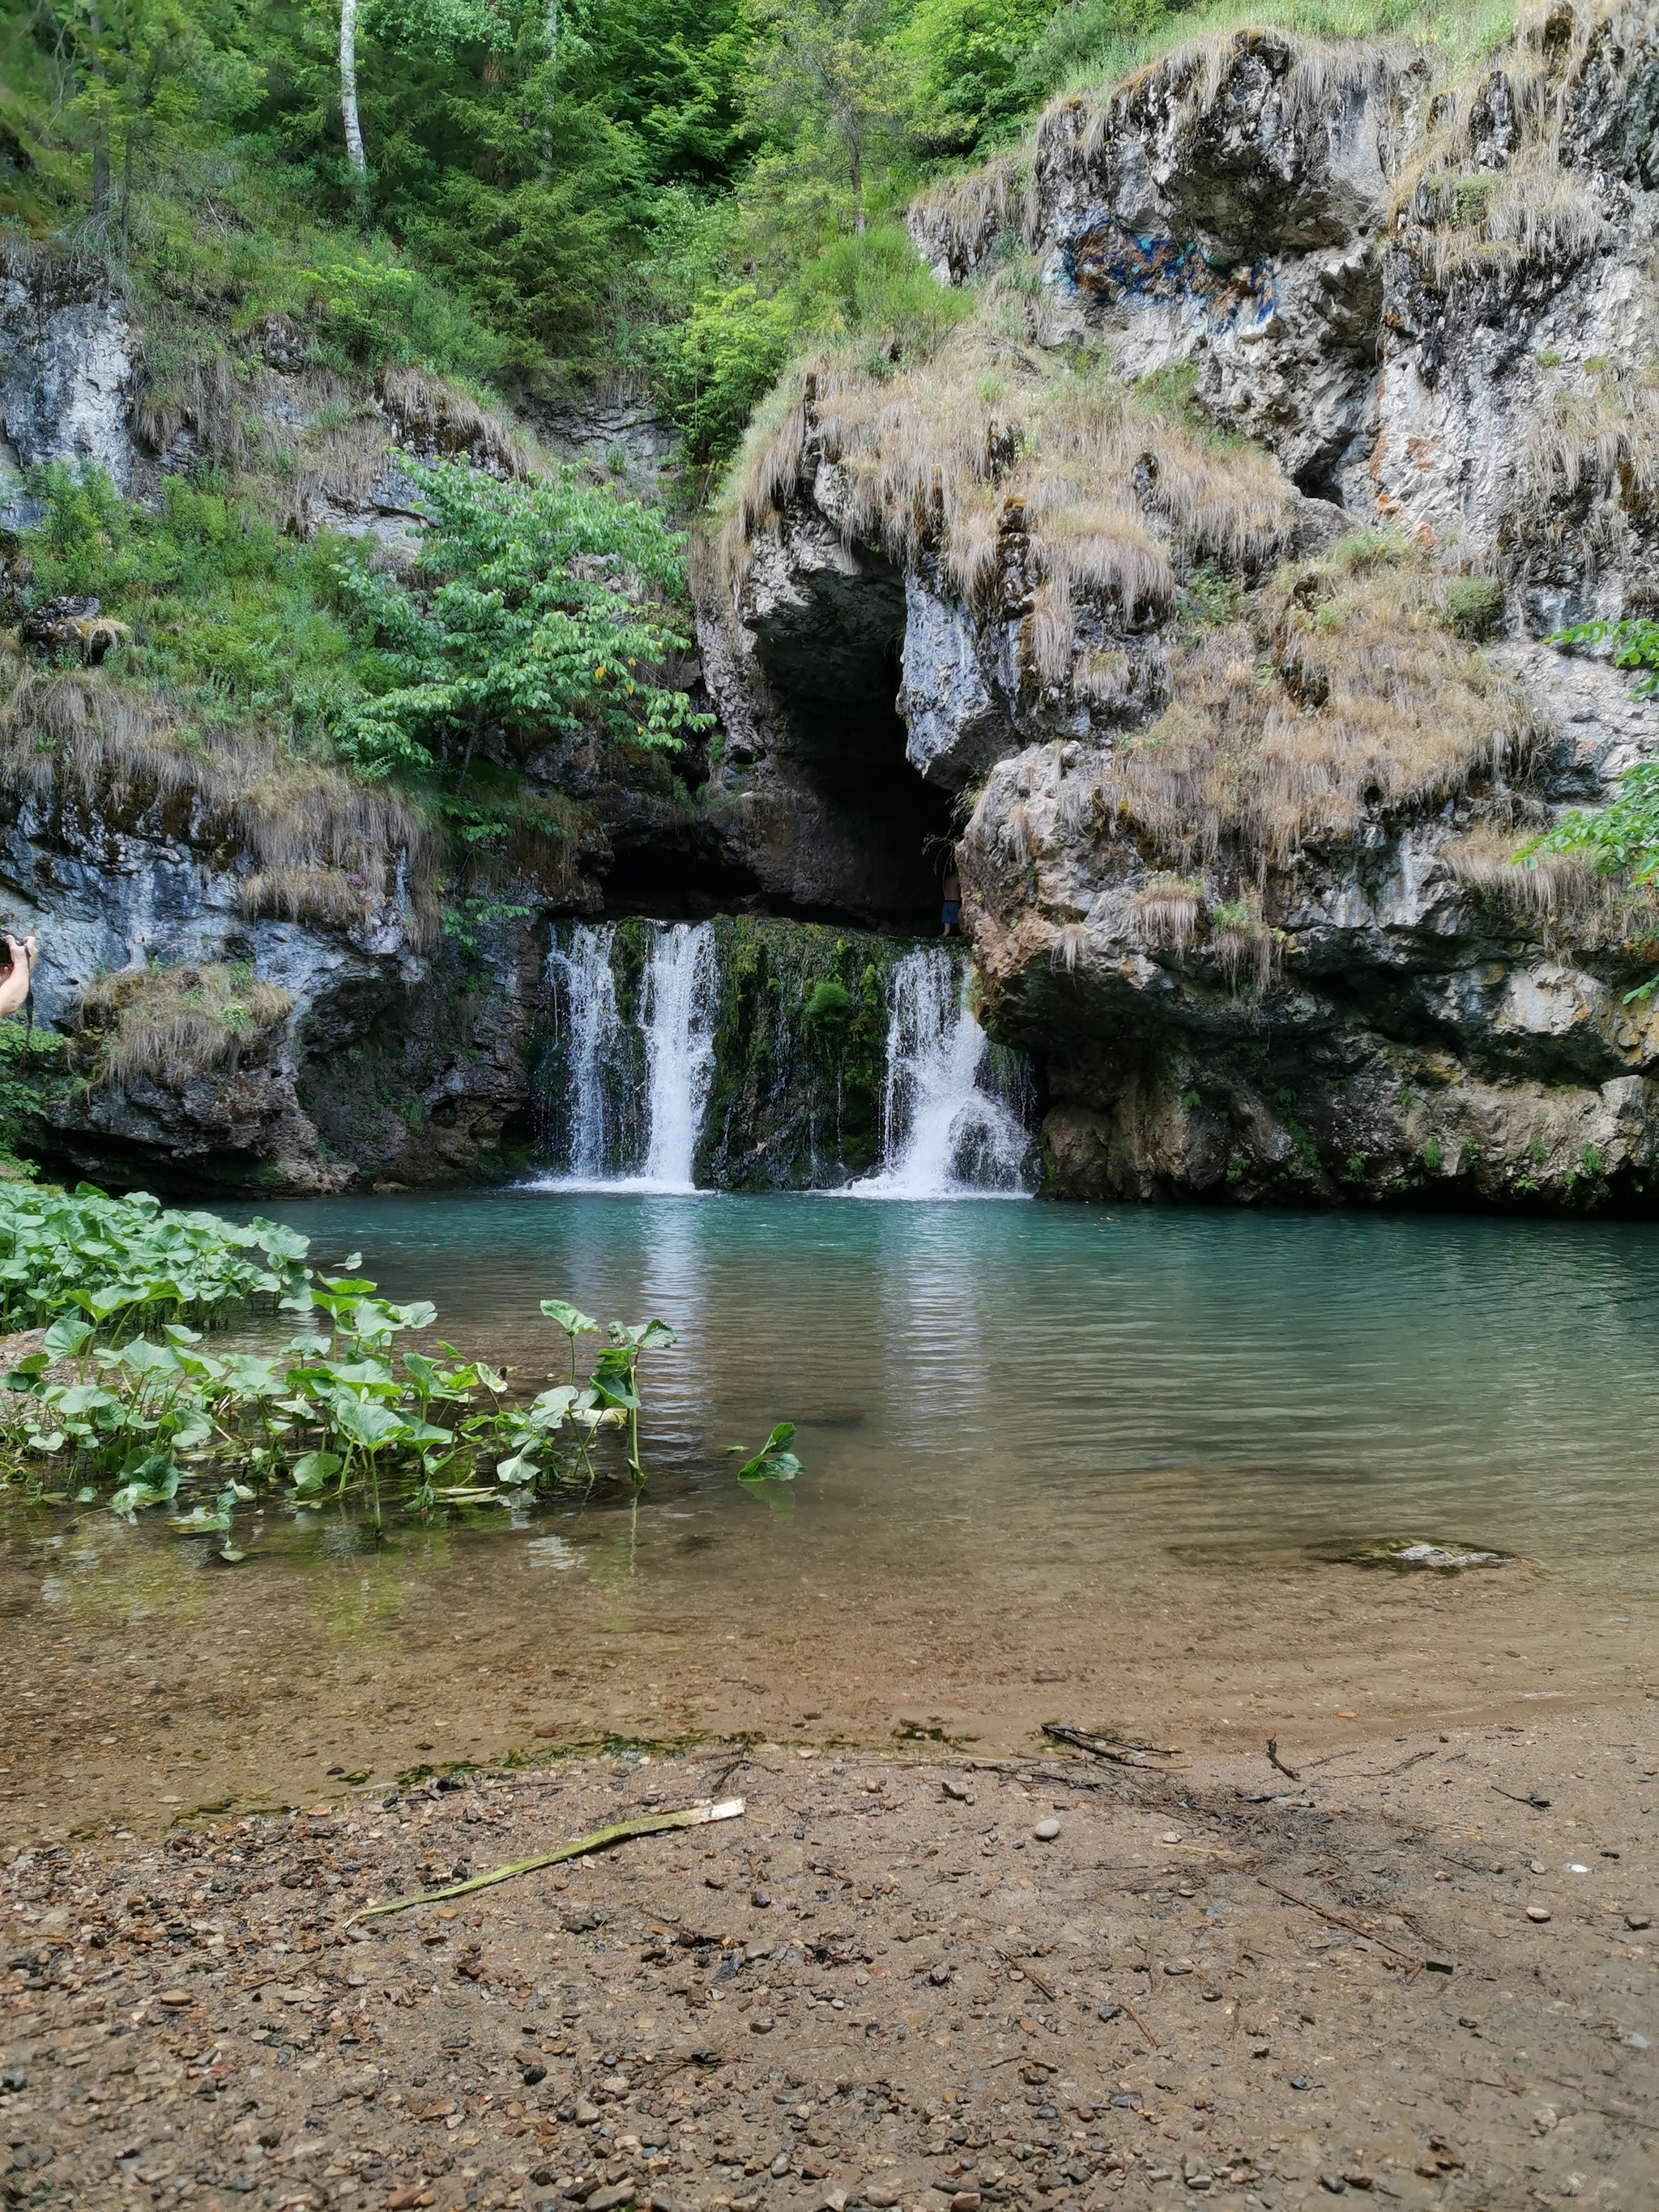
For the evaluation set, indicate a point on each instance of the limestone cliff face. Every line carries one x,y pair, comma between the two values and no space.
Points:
1301,396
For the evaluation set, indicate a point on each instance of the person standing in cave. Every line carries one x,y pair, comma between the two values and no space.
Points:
16,984
950,912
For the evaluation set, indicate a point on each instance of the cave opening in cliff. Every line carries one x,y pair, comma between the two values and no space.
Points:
878,829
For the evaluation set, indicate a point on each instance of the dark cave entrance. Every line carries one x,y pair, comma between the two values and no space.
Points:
831,658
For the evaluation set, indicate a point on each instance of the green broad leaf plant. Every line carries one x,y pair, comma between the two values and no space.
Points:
124,1399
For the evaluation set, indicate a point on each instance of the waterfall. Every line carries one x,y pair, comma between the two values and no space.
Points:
580,973
631,1118
631,1098
945,1131
680,1042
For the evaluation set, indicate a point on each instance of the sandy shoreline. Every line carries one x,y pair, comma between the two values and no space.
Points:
881,1985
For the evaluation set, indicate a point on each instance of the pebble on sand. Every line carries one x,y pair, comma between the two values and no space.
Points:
1539,1912
1046,1830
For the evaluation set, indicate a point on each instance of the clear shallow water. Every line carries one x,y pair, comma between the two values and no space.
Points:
1058,1462
1024,1378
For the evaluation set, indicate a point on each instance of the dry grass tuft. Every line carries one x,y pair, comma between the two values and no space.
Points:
1337,700
958,227
1169,912
436,420
1559,892
309,834
1492,185
1067,496
173,1024
1596,438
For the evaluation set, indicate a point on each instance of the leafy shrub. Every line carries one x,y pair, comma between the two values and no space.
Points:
524,611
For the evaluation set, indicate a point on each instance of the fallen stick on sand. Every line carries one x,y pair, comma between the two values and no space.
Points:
601,1839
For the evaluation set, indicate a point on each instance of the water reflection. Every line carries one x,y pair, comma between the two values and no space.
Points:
978,1387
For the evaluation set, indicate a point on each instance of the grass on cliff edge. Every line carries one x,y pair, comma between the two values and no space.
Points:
1091,49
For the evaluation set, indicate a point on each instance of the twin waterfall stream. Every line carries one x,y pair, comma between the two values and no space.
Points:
637,1069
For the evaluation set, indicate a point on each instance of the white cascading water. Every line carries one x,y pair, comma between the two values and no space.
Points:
944,1135
680,986
581,972
676,1024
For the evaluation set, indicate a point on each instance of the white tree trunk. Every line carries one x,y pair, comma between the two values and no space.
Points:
354,129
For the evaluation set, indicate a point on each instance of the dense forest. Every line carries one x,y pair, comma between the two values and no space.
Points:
659,195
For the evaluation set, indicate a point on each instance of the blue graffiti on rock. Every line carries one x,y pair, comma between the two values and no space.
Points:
1108,261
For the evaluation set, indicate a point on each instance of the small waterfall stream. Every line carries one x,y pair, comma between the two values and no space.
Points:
635,1008
946,1132
680,1045
581,971
630,1120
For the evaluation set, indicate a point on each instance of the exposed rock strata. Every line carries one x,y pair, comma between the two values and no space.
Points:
1238,862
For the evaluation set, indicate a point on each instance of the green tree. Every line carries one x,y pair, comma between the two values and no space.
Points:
533,610
827,93
966,56
143,73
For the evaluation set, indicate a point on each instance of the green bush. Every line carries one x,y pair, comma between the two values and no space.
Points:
523,612
235,621
1474,607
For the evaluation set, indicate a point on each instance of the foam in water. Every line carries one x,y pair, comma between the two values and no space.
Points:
677,1022
944,1133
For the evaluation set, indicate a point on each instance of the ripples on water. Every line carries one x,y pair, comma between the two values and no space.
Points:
1103,1382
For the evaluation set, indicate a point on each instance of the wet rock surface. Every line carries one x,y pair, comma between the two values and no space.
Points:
875,1988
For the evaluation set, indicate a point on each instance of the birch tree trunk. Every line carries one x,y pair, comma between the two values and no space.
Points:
354,129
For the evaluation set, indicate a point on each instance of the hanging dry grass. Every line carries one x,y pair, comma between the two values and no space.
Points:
310,835
1492,185
1071,492
173,1024
436,419
1366,705
1169,912
1596,436
959,226
1560,893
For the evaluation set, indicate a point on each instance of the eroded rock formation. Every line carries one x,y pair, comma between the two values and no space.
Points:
1301,396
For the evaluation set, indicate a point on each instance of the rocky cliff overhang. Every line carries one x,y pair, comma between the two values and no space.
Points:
1303,393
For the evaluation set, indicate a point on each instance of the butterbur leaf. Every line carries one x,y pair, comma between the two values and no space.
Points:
366,1423
64,1339
313,1469
773,1462
517,1469
200,1523
569,1318
231,1556
616,1385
